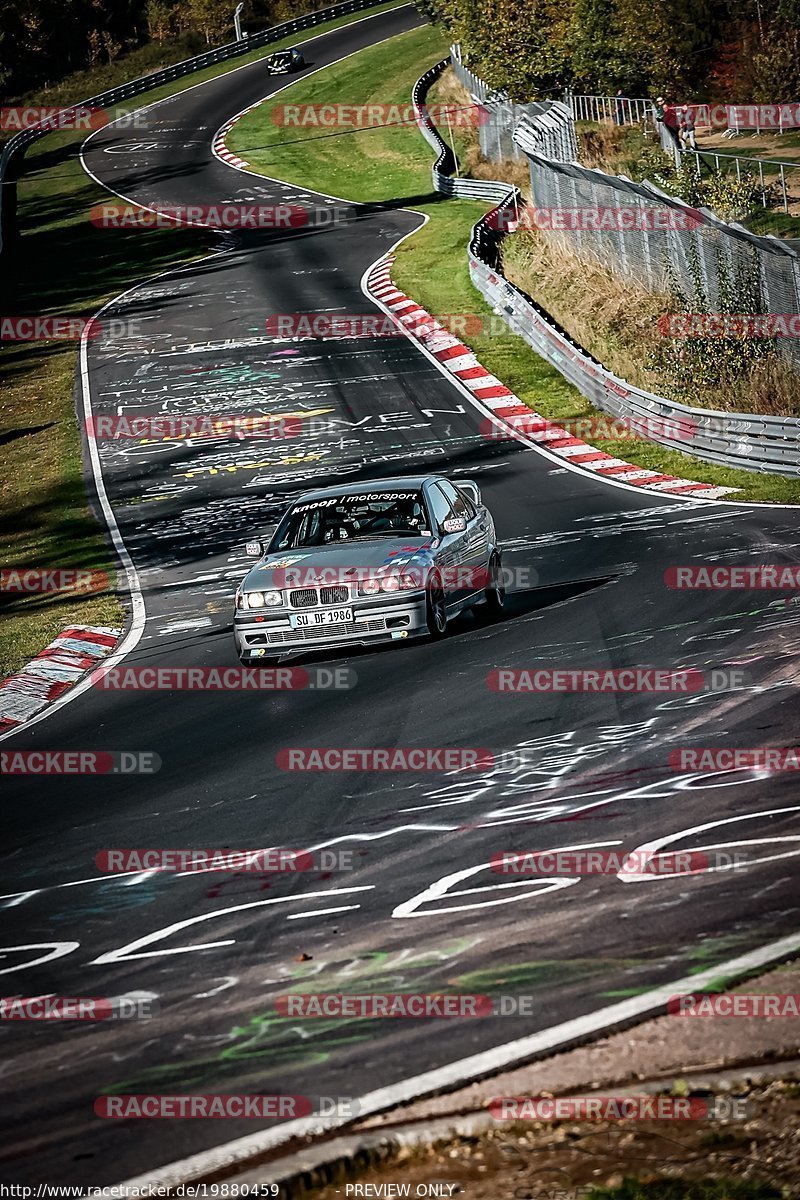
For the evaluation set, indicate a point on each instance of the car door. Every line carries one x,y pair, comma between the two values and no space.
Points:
473,552
450,554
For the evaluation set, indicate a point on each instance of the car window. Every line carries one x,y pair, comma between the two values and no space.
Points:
459,505
464,507
359,515
438,504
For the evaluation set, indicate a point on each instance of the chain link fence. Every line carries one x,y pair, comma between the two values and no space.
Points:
655,239
635,229
499,118
753,442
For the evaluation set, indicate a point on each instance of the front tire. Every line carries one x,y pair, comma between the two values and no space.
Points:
435,608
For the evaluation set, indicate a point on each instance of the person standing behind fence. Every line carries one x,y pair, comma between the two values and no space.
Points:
619,108
686,128
671,120
658,113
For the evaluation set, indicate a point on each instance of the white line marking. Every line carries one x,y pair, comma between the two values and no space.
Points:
133,636
237,1153
138,614
124,953
321,912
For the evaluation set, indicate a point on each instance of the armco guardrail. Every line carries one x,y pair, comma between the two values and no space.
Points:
14,150
755,443
443,180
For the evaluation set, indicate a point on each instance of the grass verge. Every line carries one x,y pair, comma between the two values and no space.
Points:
393,164
64,266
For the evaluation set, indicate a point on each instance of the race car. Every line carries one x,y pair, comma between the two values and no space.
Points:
283,62
364,563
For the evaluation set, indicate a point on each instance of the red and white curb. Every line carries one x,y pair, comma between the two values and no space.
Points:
221,150
53,672
460,361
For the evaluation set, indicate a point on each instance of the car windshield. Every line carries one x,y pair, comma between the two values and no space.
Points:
344,518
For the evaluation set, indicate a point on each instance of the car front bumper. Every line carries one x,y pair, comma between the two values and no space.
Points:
269,634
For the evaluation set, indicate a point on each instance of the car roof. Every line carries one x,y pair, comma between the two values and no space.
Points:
401,482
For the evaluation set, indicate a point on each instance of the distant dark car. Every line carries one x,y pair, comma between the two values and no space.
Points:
283,62
370,562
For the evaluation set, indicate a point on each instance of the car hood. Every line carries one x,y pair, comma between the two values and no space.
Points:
358,556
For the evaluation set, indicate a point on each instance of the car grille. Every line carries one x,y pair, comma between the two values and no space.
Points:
307,597
333,595
303,598
377,625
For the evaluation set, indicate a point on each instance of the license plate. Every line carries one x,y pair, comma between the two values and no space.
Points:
332,616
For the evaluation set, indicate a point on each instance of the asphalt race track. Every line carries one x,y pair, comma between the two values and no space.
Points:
216,949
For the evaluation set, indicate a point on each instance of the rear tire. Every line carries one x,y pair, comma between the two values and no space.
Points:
435,610
492,606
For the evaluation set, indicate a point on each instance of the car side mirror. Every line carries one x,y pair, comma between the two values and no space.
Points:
254,549
454,525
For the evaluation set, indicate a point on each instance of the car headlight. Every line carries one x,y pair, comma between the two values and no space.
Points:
370,587
262,599
409,582
390,583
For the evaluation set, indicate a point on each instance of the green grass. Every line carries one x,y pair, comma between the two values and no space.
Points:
393,164
155,56
766,220
380,164
66,266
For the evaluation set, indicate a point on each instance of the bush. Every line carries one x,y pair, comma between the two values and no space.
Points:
730,198
744,373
